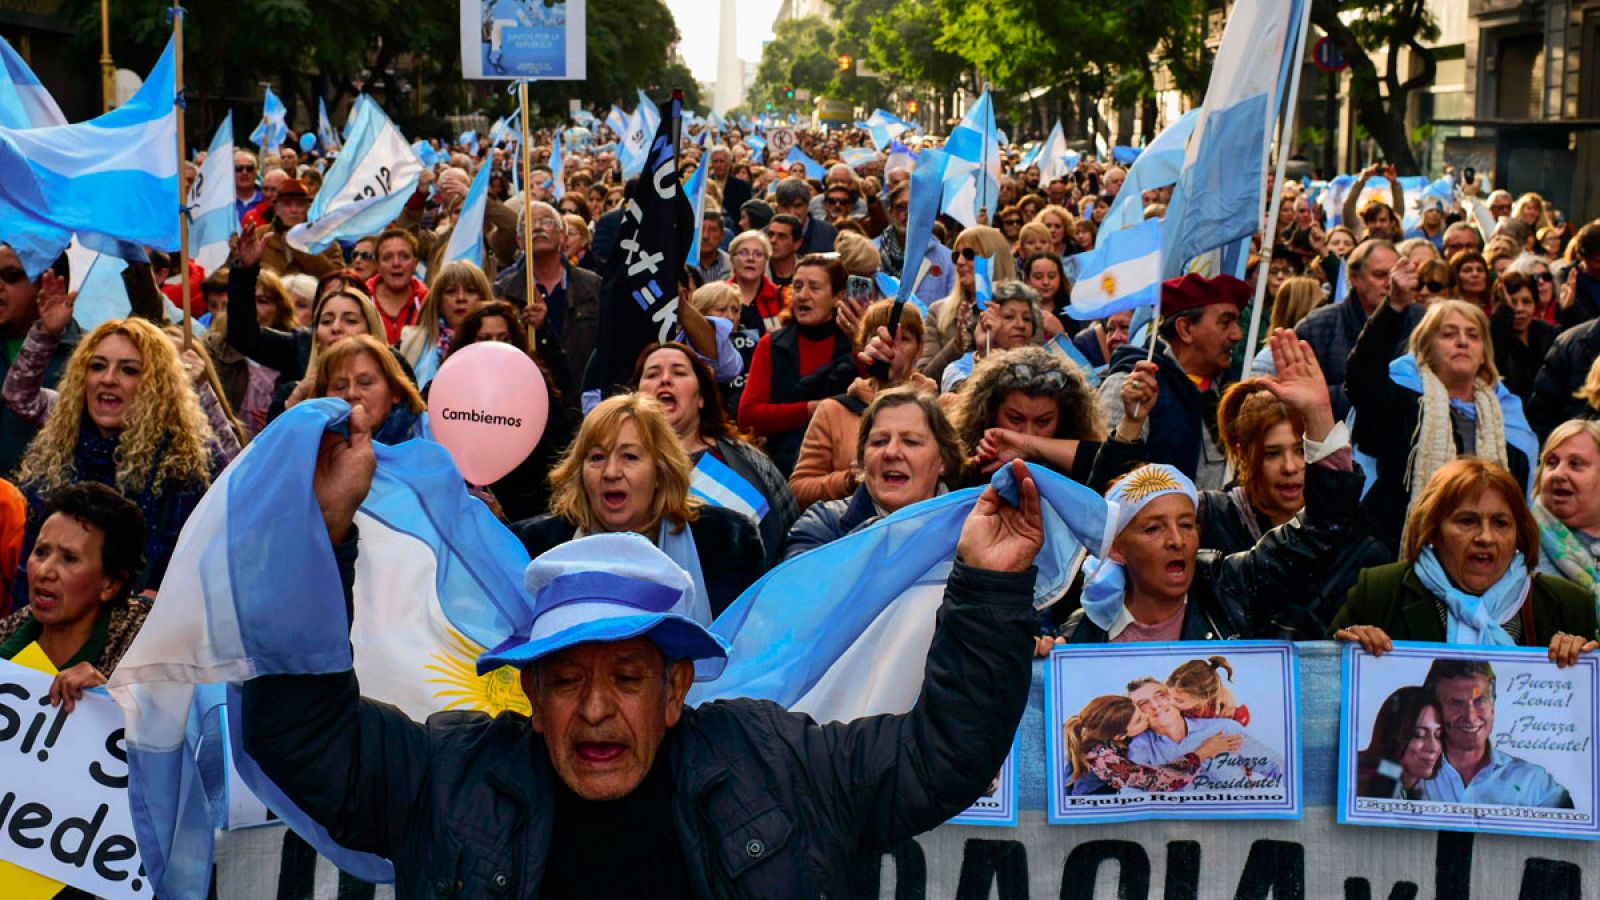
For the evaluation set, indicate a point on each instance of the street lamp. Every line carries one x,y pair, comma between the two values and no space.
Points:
108,69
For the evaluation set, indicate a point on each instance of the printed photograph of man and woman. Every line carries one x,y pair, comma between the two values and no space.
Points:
1142,730
1491,739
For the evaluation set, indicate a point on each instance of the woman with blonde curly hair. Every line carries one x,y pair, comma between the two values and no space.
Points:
627,471
125,414
1028,404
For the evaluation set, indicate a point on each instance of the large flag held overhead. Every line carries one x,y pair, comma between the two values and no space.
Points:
884,126
24,103
813,168
326,133
210,204
437,579
1051,156
112,181
466,239
639,301
1158,166
274,127
858,645
977,141
1217,200
366,188
1122,272
634,140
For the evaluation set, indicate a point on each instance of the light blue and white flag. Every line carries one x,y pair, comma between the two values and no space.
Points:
24,103
900,157
466,239
617,121
210,204
274,127
856,157
716,121
1217,200
436,581
634,140
758,147
813,168
1123,155
1062,346
926,190
977,141
1158,166
498,131
717,484
859,647
468,139
982,282
884,127
558,167
1051,156
1123,272
1332,199
326,133
696,189
367,187
112,181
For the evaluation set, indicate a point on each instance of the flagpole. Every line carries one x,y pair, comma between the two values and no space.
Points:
183,213
527,202
1269,235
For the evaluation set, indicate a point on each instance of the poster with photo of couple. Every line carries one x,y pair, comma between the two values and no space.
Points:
1469,739
998,804
1173,730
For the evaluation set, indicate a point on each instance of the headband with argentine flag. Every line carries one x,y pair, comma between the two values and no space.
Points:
1104,587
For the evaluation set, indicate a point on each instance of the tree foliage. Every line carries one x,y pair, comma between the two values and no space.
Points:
1381,98
799,57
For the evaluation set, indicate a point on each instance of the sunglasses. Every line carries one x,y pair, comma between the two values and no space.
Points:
837,201
1435,287
967,253
244,168
1545,277
901,207
13,275
1010,222
365,255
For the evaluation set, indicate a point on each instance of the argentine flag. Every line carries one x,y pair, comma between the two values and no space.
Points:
274,127
367,187
884,126
813,168
437,579
856,157
466,239
326,133
1051,156
1122,272
635,142
757,145
982,282
843,631
696,189
1061,346
714,482
978,142
112,181
1158,166
210,204
24,103
1217,200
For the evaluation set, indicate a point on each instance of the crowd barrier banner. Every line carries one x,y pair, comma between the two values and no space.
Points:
63,795
1306,859
533,39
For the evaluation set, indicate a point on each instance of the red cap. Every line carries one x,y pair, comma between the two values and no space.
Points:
1194,291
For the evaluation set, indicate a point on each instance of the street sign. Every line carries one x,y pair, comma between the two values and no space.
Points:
1327,56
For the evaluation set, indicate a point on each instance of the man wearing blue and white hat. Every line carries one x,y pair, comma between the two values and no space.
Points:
614,788
1155,585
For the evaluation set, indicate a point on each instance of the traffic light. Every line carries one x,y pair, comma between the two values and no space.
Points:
788,92
911,107
844,62
769,107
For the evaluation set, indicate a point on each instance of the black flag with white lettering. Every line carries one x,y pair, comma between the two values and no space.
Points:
639,303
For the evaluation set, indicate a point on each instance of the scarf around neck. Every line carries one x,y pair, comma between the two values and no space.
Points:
1474,618
1570,555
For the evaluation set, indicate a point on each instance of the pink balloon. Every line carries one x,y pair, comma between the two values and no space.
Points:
487,406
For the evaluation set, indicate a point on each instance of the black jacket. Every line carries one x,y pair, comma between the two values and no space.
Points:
1519,363
767,803
1564,370
1271,589
727,543
1183,416
580,323
1387,416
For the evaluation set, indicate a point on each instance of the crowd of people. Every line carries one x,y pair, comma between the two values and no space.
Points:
1418,459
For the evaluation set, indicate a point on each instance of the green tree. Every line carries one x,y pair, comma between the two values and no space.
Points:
1381,98
799,57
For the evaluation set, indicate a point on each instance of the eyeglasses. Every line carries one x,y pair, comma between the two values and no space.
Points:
244,168
1433,287
13,275
363,255
967,253
547,223
749,254
1010,222
901,207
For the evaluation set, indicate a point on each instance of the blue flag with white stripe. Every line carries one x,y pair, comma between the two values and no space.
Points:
437,580
859,644
466,240
366,188
112,181
1158,166
326,133
717,484
211,213
274,127
24,103
982,282
1217,201
813,168
758,147
1123,272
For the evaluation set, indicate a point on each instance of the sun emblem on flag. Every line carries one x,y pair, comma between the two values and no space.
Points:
1148,480
1108,284
462,686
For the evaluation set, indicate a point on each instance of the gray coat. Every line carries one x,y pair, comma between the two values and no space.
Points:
767,803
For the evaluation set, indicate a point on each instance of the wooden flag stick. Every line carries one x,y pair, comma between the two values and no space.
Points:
527,203
183,213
